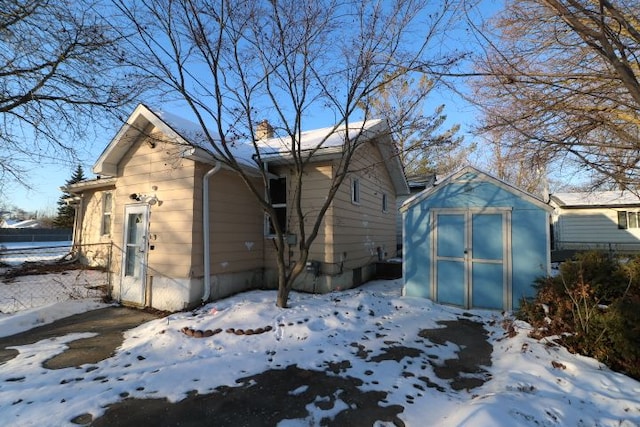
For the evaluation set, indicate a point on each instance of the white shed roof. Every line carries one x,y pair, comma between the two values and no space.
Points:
595,199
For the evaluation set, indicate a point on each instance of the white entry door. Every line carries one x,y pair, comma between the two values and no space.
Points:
471,258
134,258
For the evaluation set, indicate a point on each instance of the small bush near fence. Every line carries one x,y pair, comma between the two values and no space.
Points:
592,307
35,276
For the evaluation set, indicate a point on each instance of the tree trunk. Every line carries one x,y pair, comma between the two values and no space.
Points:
283,295
283,288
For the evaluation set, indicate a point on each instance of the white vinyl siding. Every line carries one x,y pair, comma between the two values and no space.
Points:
594,226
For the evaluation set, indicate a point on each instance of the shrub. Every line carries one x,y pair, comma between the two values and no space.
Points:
592,307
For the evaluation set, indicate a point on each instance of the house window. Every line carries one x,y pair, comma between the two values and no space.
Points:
355,191
278,195
622,220
628,220
384,202
107,203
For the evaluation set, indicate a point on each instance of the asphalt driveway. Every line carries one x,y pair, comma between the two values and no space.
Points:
108,323
264,399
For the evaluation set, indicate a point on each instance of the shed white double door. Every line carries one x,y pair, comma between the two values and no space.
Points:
471,257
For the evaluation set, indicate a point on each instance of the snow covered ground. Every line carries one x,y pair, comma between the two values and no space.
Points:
18,252
25,292
532,384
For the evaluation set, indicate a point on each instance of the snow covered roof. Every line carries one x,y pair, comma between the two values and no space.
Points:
88,184
420,182
327,137
181,131
330,141
191,136
595,199
28,223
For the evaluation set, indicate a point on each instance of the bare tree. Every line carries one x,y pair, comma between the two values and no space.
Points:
516,164
59,73
235,62
423,145
562,84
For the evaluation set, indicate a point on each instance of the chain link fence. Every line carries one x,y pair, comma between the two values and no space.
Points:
32,275
564,250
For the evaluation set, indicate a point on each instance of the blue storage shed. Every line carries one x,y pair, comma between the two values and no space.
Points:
474,241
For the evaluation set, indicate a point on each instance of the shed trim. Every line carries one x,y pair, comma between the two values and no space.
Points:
482,176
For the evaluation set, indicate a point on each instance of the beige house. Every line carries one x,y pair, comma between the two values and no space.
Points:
170,253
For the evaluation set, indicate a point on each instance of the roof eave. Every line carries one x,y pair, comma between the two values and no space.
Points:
93,184
198,154
135,126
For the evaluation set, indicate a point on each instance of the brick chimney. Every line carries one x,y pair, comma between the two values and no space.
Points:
264,130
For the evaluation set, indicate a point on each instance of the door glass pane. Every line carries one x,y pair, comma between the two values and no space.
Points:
134,242
134,226
450,236
487,238
132,268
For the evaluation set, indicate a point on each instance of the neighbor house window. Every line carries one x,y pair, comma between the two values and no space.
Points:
384,202
278,194
107,202
622,220
628,220
355,191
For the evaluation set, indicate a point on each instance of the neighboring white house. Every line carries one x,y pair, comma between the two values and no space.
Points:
607,220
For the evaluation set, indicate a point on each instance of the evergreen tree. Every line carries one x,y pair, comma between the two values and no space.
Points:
66,213
425,143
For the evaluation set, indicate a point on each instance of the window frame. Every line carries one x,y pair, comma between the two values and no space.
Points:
269,230
623,222
385,203
105,230
632,220
355,191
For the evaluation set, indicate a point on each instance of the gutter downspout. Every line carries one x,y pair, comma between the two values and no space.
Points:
205,228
